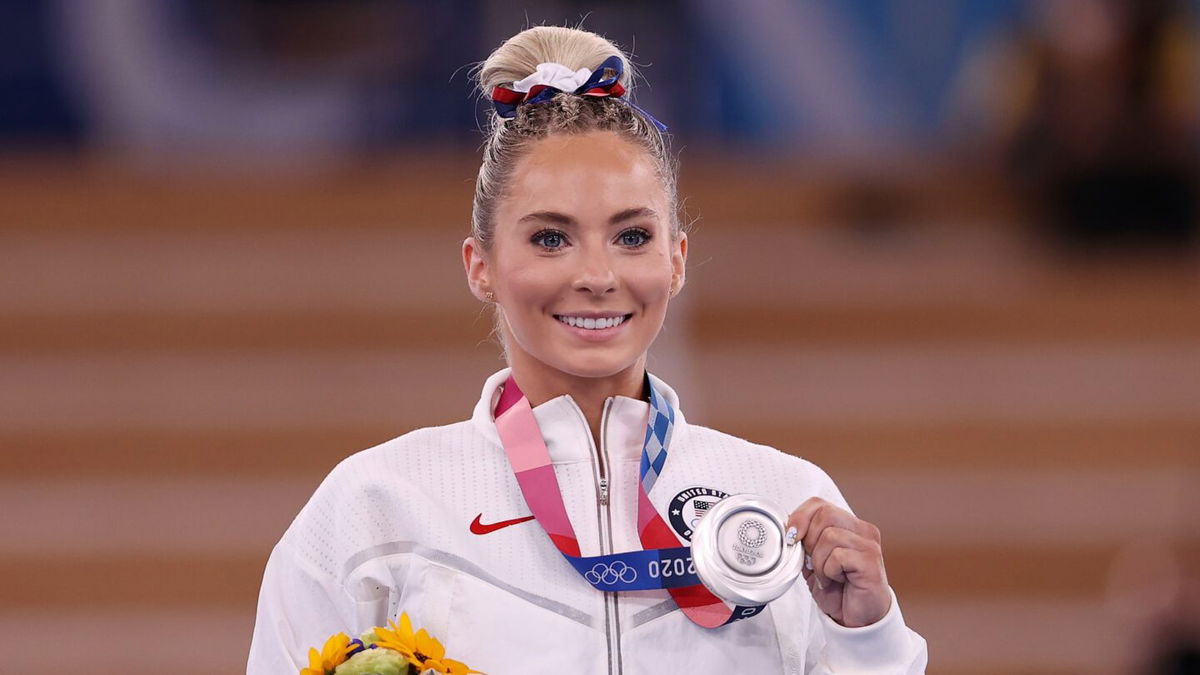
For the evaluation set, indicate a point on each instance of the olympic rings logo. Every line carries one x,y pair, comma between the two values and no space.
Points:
610,574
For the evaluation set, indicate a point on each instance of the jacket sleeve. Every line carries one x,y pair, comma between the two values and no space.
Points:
299,607
886,646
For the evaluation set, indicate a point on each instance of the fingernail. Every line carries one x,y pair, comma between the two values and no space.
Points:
789,537
808,562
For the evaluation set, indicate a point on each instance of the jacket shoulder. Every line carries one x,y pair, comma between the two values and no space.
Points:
708,440
368,494
406,452
759,468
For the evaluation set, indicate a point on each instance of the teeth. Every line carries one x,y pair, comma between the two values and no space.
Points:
590,323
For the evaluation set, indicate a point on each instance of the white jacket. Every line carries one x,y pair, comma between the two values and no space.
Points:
389,530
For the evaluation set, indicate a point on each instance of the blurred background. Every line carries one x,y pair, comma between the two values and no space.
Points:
946,249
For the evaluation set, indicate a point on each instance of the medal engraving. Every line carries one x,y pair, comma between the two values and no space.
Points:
752,540
740,551
749,542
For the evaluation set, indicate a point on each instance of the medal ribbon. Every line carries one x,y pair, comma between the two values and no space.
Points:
663,563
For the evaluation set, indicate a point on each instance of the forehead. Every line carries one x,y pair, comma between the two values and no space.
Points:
577,174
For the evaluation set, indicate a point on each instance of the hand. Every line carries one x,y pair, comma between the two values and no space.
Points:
847,580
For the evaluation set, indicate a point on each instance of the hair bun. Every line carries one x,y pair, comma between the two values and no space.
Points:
519,56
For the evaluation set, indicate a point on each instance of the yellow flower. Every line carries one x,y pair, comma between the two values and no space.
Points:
430,652
420,648
332,655
399,638
451,667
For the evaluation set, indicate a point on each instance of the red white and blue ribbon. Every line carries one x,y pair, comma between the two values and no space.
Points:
604,81
663,563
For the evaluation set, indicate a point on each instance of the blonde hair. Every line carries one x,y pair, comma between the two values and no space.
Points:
509,139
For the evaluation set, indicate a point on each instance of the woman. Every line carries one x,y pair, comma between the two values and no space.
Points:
577,244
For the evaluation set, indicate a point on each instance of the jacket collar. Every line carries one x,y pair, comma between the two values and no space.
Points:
565,429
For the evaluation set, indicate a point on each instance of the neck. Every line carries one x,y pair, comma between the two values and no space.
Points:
541,383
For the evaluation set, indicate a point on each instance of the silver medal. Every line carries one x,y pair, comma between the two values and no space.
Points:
743,553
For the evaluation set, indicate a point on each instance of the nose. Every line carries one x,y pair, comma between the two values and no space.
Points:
596,275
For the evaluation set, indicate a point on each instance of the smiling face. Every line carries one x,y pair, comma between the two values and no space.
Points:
583,259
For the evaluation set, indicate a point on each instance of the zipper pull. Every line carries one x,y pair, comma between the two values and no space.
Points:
604,491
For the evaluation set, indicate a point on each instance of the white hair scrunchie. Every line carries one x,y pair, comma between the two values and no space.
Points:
554,75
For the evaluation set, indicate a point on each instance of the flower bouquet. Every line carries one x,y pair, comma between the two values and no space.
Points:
395,650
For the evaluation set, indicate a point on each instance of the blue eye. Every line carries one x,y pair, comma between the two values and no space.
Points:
549,239
634,238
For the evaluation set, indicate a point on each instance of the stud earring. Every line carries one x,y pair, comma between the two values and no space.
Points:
489,296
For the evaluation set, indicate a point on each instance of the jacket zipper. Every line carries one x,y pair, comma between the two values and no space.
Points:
612,624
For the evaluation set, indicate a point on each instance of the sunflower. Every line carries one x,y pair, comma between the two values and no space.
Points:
431,655
399,638
337,648
420,648
450,667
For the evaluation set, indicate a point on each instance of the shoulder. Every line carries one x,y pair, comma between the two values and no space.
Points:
408,452
753,467
387,477
705,440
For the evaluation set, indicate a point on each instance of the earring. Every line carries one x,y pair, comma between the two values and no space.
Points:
489,296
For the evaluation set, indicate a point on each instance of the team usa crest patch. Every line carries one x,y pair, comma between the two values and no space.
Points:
689,506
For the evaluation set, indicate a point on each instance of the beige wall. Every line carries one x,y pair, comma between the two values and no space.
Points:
183,357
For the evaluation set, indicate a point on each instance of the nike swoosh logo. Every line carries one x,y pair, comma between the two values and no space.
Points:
477,527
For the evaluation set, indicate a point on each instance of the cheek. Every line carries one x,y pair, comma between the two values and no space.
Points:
651,283
531,284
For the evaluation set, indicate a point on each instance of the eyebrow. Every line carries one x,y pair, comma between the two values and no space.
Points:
564,219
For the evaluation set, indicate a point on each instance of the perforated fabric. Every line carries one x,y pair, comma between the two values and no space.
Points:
389,531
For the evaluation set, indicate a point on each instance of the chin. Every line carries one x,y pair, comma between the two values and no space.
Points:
593,363
597,368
